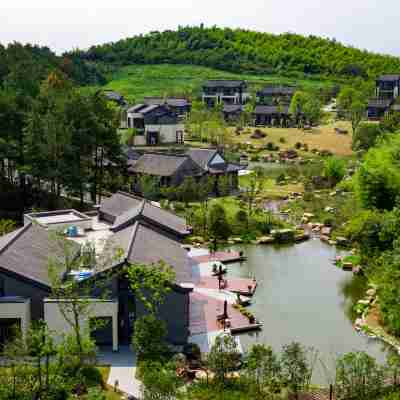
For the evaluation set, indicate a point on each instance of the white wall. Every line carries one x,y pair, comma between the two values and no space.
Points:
57,323
21,311
167,132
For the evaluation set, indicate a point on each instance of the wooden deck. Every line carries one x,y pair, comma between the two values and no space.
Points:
225,257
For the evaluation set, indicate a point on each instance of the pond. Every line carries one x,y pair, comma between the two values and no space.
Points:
301,296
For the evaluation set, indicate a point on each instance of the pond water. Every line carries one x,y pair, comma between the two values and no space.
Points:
301,296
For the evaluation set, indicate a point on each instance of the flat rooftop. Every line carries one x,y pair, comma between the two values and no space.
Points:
58,217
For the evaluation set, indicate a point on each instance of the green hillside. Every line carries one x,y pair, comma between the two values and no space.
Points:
138,81
244,51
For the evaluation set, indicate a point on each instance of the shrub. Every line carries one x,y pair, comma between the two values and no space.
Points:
91,376
282,140
298,146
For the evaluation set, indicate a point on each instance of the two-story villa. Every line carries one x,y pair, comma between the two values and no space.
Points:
221,91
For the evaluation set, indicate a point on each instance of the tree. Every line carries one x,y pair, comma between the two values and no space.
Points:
224,185
187,191
358,377
366,136
41,347
74,296
264,370
223,357
295,367
219,227
149,337
6,226
378,178
334,170
160,381
150,283
149,186
357,114
254,188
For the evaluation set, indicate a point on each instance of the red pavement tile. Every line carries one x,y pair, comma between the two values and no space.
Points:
235,285
204,311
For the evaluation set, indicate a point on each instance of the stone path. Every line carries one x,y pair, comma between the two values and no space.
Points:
122,369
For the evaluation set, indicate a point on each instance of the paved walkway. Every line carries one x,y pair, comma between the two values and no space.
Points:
123,369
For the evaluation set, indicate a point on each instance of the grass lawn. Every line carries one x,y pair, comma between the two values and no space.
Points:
320,138
271,189
138,81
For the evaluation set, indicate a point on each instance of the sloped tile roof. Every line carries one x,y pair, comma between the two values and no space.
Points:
202,157
27,251
158,164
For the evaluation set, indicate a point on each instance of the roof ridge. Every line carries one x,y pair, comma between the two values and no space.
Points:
18,233
132,240
132,196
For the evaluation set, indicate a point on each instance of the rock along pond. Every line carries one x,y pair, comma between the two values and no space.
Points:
301,296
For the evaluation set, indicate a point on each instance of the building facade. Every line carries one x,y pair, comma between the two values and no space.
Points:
224,92
132,228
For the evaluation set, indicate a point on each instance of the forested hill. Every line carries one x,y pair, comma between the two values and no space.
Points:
28,65
240,50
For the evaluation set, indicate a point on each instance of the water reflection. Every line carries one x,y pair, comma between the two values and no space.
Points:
301,296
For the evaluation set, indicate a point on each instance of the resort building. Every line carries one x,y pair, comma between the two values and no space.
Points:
125,230
272,116
275,95
154,125
178,105
172,169
386,92
218,91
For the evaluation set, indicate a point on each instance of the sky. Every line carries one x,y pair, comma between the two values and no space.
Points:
366,24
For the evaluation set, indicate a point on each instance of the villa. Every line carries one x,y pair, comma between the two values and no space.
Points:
154,124
221,91
172,169
125,230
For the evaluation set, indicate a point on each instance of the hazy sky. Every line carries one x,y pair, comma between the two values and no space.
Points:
369,24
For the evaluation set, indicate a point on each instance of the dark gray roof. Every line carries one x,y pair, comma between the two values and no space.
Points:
111,95
202,157
136,108
154,215
119,203
142,244
170,101
227,83
131,153
389,78
267,110
379,103
225,168
27,251
158,164
231,108
278,90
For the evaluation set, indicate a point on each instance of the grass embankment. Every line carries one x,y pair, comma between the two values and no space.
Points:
138,81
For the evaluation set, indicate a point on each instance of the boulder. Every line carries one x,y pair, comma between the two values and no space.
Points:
326,231
371,292
324,238
237,240
308,215
342,241
265,240
329,209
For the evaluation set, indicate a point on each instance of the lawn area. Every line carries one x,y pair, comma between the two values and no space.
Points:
138,81
323,137
271,189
